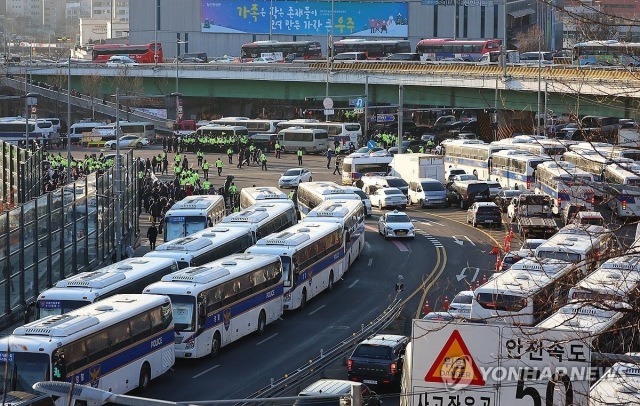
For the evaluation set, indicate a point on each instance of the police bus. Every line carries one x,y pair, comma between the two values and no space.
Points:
253,195
222,301
117,345
344,133
624,201
565,183
222,131
515,169
583,245
263,218
552,148
622,174
205,246
592,162
311,194
127,276
254,126
357,164
312,256
193,214
472,158
616,279
349,214
526,293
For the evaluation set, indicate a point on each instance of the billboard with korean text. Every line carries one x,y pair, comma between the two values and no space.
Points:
361,19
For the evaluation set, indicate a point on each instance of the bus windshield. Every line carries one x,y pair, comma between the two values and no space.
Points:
184,314
186,225
58,307
24,370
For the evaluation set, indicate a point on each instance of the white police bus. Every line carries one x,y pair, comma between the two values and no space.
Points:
349,214
515,169
616,279
222,301
263,219
193,214
564,183
474,159
127,276
311,194
312,258
526,293
205,246
117,345
253,195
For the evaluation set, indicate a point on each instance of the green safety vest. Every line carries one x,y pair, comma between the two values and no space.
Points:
233,189
299,152
177,158
230,151
206,184
263,158
205,166
219,163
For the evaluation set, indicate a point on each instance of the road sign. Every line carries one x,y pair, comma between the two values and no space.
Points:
359,103
180,109
328,103
358,111
384,118
33,116
464,363
34,109
329,112
371,144
180,116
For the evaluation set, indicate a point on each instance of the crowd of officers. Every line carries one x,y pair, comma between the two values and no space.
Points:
56,166
205,143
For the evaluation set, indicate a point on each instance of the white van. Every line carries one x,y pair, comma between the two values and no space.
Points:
427,192
105,132
312,141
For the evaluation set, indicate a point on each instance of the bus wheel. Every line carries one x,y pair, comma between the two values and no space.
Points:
303,300
262,323
359,184
330,285
215,345
145,377
139,145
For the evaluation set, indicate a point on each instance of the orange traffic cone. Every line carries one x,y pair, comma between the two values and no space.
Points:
446,303
484,279
426,309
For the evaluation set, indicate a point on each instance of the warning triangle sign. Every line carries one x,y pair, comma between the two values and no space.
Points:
455,365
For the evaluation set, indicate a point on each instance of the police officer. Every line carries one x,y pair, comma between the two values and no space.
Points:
430,145
277,146
338,163
200,156
263,159
230,154
300,156
233,189
338,150
206,185
205,169
421,149
291,194
219,166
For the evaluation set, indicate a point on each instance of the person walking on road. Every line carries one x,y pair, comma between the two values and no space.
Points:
300,156
230,154
152,235
329,155
337,167
263,159
219,166
205,169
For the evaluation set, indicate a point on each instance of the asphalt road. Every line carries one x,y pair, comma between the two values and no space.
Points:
447,256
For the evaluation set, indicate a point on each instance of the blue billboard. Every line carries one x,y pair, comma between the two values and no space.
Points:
359,19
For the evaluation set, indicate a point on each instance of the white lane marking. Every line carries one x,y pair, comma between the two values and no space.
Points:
268,338
205,371
367,245
313,312
370,261
353,283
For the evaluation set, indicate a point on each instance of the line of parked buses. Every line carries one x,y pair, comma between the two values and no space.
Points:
220,279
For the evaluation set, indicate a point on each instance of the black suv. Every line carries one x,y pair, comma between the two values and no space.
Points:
378,360
466,192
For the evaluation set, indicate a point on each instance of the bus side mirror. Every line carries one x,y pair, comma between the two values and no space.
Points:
29,312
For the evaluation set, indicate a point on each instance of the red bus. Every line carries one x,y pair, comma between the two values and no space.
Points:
373,48
139,53
282,51
437,49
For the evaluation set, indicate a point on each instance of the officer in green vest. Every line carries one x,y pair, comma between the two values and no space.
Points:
205,169
233,189
206,185
430,145
177,158
263,159
219,166
277,147
200,156
338,150
230,155
300,156
421,149
177,169
291,194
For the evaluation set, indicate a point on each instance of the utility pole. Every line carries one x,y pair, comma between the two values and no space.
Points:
366,107
400,116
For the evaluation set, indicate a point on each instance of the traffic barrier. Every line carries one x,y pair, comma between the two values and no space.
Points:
446,303
426,309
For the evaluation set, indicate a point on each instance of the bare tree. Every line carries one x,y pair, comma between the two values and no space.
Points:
91,85
127,83
595,27
528,40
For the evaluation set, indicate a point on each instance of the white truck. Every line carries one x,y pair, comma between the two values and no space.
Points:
413,166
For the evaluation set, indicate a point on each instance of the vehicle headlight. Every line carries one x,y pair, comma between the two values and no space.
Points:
190,344
387,228
411,228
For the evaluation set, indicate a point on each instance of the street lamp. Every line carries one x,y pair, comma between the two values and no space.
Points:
178,42
27,96
118,184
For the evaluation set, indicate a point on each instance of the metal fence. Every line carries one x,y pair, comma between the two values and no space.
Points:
62,233
22,175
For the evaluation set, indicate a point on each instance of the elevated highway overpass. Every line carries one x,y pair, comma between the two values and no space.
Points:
581,90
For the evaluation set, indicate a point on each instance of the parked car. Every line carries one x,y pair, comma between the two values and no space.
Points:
461,304
494,188
121,60
294,176
128,141
427,192
465,193
451,172
512,257
263,59
385,181
396,224
457,178
504,197
378,360
350,56
386,197
485,213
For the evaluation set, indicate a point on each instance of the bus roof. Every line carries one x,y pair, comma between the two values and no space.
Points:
52,331
548,266
611,280
563,169
194,204
574,238
90,286
186,280
222,127
256,213
265,193
523,283
338,208
583,319
295,237
202,240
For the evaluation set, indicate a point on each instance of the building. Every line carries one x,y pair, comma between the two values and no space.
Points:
220,31
102,9
93,30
